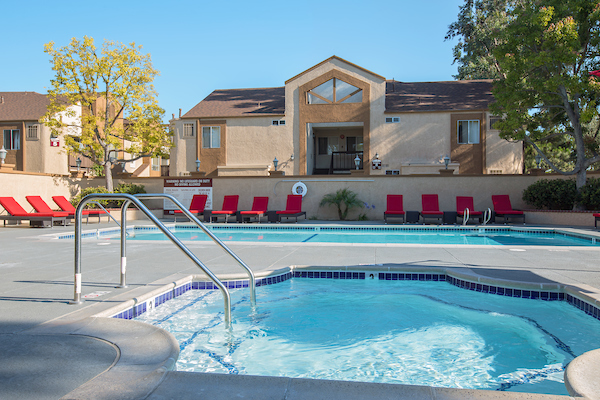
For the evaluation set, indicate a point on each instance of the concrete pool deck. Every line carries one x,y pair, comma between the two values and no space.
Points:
51,349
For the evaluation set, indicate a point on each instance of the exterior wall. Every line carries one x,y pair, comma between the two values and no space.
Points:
370,189
183,155
300,114
416,144
502,155
253,143
471,157
14,158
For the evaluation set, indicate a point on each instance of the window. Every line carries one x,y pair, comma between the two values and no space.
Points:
211,137
12,139
334,91
468,132
389,120
188,130
32,132
493,120
278,122
323,142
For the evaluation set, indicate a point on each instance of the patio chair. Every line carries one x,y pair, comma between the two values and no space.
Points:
466,202
259,208
39,205
196,206
503,208
596,218
293,208
65,205
18,213
395,208
430,207
230,204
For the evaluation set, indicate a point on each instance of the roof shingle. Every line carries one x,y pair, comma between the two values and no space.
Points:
22,106
438,96
240,103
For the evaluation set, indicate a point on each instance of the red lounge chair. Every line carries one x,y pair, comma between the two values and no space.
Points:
596,218
395,207
503,208
466,202
431,207
196,206
18,213
259,208
230,204
293,208
40,206
65,205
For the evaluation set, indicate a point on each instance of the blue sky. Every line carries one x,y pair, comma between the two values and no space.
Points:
199,46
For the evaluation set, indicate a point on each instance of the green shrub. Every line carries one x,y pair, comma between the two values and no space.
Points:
130,188
344,200
551,194
590,194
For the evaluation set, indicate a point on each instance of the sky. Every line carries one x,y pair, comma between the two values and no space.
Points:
200,46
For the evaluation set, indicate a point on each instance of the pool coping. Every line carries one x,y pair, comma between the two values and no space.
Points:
583,297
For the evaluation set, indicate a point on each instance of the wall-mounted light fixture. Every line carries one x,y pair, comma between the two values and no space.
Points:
357,161
197,165
78,162
275,162
446,161
538,160
2,155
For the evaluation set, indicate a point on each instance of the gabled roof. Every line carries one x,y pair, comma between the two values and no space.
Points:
22,106
438,96
240,103
334,58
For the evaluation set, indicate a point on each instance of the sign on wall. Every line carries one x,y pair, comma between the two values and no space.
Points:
183,189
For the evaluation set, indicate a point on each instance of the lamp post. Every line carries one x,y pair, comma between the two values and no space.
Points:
357,161
78,162
446,161
2,155
275,162
197,165
538,160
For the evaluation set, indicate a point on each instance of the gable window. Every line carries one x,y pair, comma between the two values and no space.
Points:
334,91
33,132
278,122
493,121
188,130
390,120
211,137
468,132
12,139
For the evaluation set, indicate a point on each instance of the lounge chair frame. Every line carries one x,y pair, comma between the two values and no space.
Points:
394,200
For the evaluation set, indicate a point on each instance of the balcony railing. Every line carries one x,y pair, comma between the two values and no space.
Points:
343,161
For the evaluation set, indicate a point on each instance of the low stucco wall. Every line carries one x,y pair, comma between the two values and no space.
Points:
372,190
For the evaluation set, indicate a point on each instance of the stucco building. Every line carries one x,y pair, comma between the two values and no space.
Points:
326,116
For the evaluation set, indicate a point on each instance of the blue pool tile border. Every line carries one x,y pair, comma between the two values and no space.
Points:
162,298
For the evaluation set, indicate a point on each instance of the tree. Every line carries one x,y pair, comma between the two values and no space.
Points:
546,93
119,110
344,200
478,28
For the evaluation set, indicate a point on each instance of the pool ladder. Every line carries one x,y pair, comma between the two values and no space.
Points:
487,216
136,200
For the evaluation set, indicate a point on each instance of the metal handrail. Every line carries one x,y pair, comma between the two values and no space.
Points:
160,225
105,210
252,280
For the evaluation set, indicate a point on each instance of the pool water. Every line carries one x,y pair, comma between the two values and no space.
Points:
408,332
410,236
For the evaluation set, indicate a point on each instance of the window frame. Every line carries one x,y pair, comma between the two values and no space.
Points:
185,131
211,137
31,128
11,141
468,135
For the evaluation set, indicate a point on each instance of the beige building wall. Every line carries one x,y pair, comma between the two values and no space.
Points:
253,143
183,154
416,144
503,156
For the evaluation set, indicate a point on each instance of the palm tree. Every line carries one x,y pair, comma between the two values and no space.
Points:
345,197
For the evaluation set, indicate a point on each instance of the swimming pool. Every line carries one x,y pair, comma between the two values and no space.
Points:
443,235
411,332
